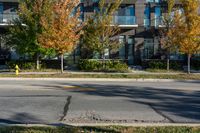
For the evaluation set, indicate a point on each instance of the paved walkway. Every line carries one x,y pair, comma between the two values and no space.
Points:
94,73
80,72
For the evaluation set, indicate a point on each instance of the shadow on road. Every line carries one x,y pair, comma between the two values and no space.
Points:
179,103
21,118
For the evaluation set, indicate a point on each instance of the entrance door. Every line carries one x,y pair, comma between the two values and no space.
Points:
122,41
130,50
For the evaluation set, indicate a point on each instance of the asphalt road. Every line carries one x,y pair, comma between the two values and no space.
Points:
56,101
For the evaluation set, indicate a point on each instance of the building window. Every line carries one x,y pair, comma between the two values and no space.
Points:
82,11
157,16
125,15
122,41
151,48
130,50
1,7
148,52
147,16
96,1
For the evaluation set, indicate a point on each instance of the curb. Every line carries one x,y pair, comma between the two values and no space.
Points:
99,79
136,124
107,124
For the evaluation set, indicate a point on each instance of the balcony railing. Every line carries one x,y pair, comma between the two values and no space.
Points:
7,18
157,22
146,22
124,20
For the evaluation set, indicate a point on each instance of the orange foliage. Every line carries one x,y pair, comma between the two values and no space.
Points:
61,29
187,29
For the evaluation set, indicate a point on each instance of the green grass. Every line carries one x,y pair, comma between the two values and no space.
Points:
131,76
106,129
163,71
35,70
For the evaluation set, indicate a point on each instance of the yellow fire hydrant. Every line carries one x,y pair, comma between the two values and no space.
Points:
17,70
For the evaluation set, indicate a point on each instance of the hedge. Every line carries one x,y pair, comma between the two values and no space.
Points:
174,64
100,65
30,64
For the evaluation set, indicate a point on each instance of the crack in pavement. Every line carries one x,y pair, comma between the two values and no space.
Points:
93,117
66,108
162,114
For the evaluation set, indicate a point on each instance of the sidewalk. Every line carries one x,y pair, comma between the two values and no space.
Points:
94,73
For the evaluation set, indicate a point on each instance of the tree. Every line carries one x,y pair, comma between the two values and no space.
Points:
187,29
162,33
23,35
99,30
166,38
61,30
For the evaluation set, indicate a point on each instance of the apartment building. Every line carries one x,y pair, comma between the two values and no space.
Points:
8,10
139,20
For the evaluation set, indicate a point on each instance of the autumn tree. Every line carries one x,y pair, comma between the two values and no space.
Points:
100,30
23,35
62,30
187,29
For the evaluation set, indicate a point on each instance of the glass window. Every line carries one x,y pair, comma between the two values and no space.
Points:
147,16
1,12
126,10
82,11
130,49
157,15
122,48
148,48
125,15
1,7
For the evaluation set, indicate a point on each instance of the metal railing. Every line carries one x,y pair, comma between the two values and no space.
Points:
154,22
7,17
124,20
146,22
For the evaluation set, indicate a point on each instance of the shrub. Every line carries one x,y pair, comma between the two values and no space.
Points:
99,65
21,64
157,65
120,67
162,64
89,65
195,64
30,64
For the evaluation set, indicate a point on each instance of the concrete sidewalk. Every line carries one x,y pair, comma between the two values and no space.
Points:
97,79
91,73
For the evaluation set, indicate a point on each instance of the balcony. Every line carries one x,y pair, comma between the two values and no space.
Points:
153,1
125,21
157,22
6,19
146,22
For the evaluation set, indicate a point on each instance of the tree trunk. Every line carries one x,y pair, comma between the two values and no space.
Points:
74,56
103,57
189,56
168,61
37,61
62,62
168,65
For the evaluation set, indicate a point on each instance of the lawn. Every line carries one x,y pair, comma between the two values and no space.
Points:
107,75
105,129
